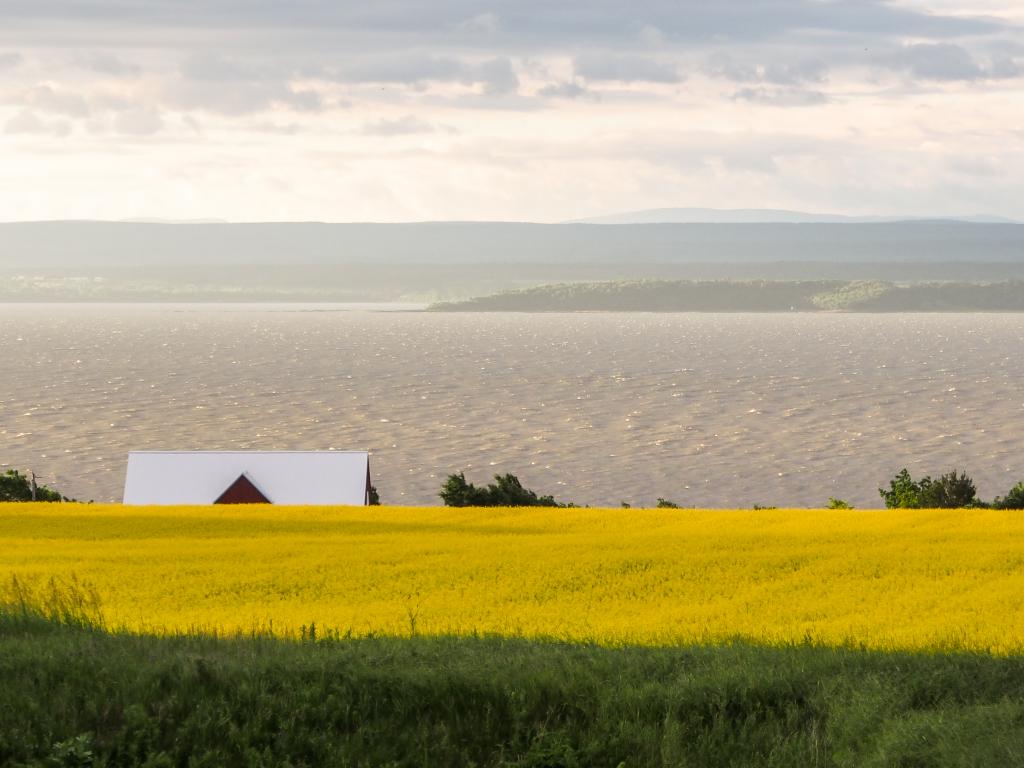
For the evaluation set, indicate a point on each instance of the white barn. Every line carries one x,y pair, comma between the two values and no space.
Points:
245,477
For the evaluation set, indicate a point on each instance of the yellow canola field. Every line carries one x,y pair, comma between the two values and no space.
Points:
886,579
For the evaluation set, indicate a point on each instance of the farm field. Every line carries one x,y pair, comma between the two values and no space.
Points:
885,580
76,696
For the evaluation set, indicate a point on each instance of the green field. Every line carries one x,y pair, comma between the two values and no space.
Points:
73,695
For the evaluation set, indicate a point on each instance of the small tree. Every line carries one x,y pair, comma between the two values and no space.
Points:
1012,500
666,504
834,503
904,492
456,492
509,492
372,497
952,490
505,491
15,486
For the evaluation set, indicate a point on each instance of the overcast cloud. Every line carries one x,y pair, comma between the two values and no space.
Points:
526,109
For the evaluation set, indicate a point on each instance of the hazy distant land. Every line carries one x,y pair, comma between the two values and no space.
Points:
103,244
767,216
750,296
426,262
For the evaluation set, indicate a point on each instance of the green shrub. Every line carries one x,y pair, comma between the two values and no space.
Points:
904,492
15,486
505,491
1012,500
952,490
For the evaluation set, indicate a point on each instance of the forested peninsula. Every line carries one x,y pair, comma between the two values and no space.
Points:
750,296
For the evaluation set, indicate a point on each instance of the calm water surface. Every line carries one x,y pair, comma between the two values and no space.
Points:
704,409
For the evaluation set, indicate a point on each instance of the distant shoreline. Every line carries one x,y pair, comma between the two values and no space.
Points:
301,305
635,296
819,296
469,306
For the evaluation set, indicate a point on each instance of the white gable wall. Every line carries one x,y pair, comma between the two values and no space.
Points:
285,477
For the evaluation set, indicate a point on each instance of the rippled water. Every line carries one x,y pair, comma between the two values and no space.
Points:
717,410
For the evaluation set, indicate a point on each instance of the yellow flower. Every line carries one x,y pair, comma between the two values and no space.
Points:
884,579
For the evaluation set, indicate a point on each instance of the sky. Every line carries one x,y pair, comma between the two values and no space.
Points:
526,110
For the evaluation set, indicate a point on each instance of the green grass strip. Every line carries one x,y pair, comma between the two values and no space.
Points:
75,695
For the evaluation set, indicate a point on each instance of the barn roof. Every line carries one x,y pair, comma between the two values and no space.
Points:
284,477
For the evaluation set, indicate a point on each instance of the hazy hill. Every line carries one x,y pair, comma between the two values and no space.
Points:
136,261
82,244
764,216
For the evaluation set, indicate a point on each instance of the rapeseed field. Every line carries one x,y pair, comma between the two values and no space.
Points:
897,579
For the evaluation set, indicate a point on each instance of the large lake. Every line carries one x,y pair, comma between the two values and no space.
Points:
705,409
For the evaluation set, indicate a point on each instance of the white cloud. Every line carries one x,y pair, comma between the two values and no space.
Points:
537,24
722,65
498,76
947,62
626,68
564,90
937,61
509,109
26,122
57,101
781,97
487,24
138,122
401,126
106,63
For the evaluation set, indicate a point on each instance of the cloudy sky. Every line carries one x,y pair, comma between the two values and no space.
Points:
521,110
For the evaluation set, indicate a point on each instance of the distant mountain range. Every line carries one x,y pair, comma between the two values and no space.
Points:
148,220
79,244
765,216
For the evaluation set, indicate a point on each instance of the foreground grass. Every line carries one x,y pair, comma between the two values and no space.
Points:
894,579
77,696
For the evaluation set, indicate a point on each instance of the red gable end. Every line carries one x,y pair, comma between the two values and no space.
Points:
242,491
